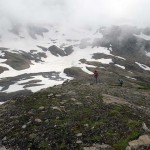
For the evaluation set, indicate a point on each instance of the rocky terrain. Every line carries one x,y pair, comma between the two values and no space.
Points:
79,114
76,113
34,57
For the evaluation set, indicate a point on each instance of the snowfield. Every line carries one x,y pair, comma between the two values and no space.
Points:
59,38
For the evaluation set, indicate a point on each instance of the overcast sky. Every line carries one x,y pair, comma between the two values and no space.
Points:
75,12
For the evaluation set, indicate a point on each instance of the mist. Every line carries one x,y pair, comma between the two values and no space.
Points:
82,13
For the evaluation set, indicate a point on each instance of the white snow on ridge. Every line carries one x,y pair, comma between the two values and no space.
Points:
2,54
143,66
120,57
143,36
58,64
148,54
45,82
2,103
2,60
104,61
120,66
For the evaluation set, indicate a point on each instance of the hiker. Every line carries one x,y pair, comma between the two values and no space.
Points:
120,82
95,75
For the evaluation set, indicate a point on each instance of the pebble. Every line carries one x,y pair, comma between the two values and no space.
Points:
41,108
38,120
78,141
24,126
79,134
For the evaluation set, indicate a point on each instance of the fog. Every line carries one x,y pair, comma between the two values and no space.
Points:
74,12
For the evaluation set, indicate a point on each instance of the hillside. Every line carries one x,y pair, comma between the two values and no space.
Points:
34,57
80,114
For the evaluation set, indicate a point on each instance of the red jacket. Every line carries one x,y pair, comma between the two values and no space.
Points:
95,74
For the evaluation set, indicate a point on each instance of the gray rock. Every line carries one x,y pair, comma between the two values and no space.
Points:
72,93
89,148
56,108
103,146
3,148
14,117
58,95
46,120
4,139
79,142
145,127
24,126
73,99
143,140
50,95
79,134
38,120
41,108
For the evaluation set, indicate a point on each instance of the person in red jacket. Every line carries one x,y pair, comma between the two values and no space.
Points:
96,75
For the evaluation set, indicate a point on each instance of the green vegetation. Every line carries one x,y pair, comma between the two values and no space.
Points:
71,116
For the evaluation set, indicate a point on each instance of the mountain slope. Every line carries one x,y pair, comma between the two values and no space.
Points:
77,115
34,57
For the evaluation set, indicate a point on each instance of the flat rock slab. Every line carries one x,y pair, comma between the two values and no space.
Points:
141,141
108,99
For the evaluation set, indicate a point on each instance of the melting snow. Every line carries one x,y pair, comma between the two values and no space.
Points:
130,78
148,53
58,64
143,66
143,36
2,103
120,57
120,66
51,63
45,82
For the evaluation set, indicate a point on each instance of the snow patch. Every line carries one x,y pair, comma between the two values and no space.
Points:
120,66
2,103
120,57
143,66
2,60
148,54
44,83
130,78
143,36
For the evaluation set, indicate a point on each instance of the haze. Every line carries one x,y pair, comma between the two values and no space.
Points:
74,12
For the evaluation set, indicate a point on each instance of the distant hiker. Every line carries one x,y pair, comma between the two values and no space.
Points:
120,82
96,75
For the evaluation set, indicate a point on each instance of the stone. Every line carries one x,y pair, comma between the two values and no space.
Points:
3,148
86,125
32,135
73,99
24,126
89,148
103,146
41,108
58,95
78,141
14,117
38,120
145,127
4,139
56,108
46,120
50,95
141,141
78,103
128,148
71,93
79,134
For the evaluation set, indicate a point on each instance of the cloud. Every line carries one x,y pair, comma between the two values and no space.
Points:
75,12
